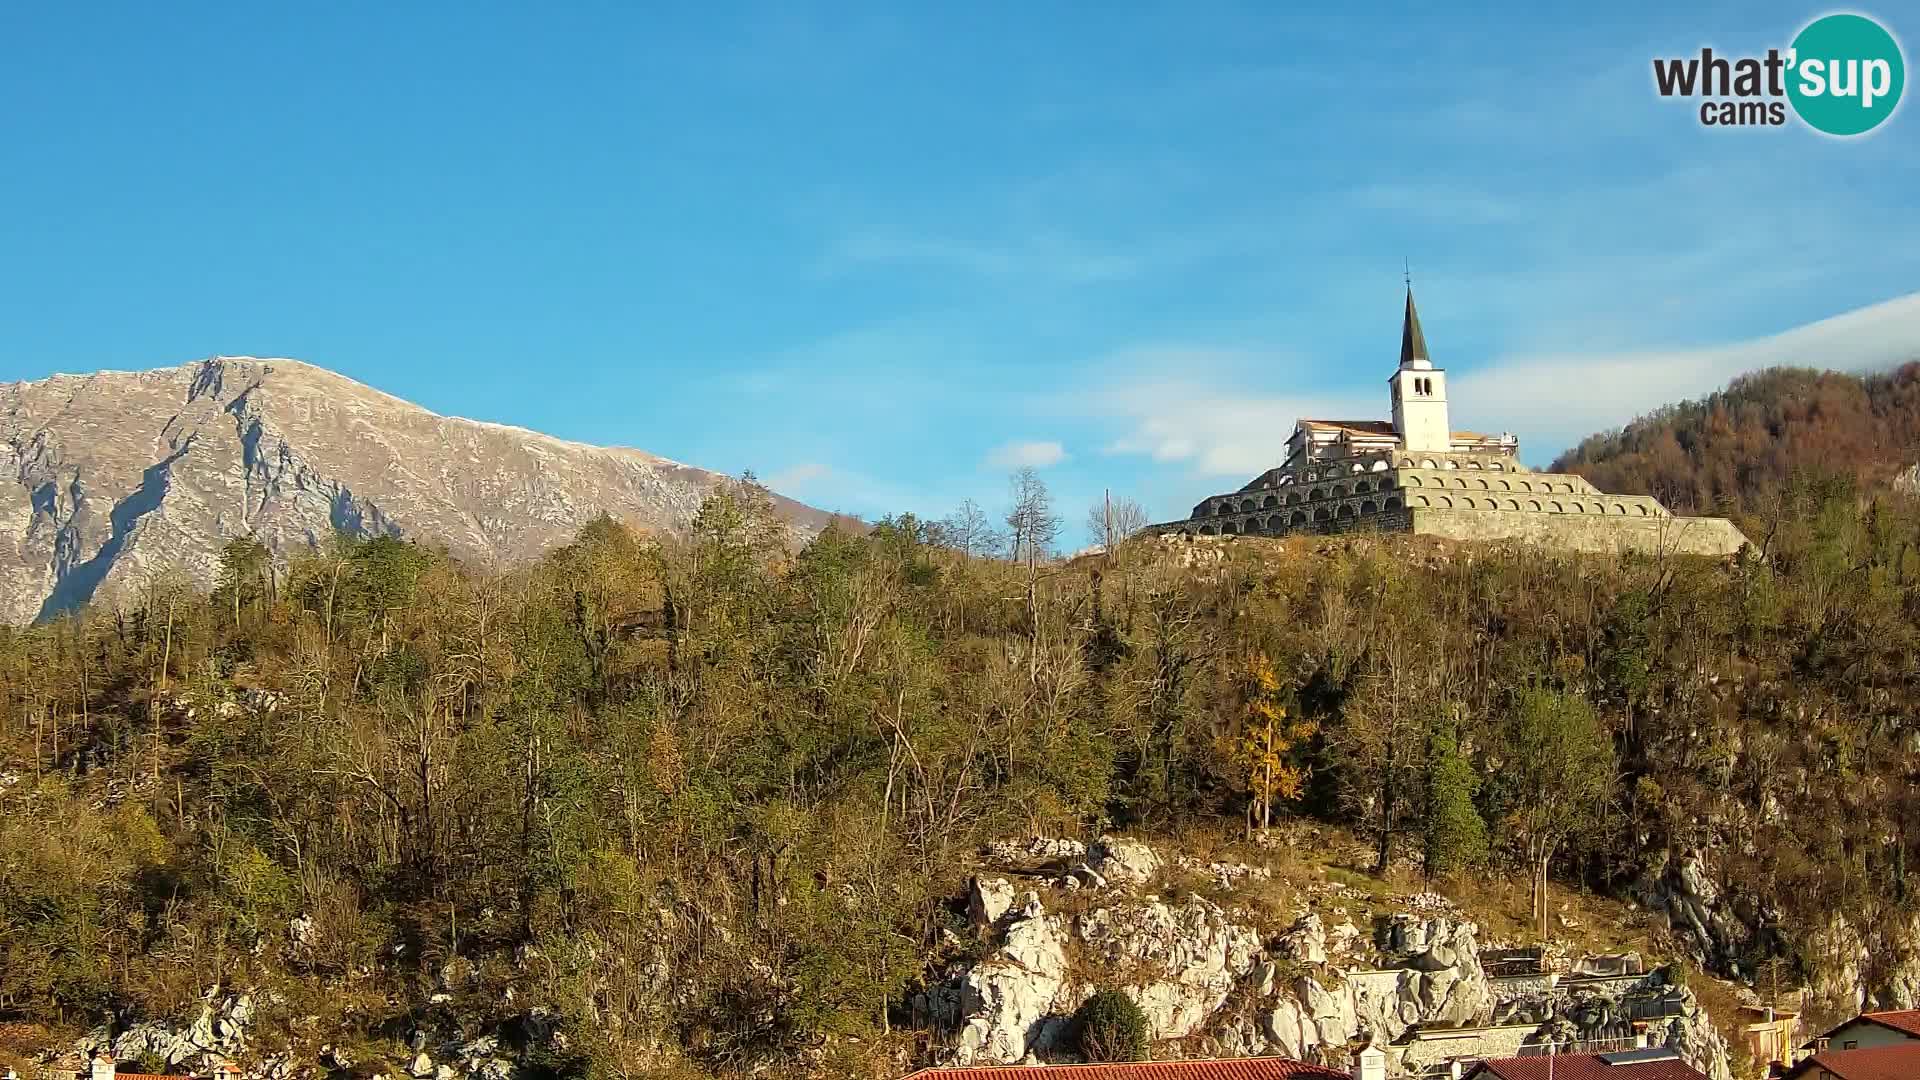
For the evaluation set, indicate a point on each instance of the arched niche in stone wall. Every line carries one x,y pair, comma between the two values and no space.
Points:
1368,507
1393,502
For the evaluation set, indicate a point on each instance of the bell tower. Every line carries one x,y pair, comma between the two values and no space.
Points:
1419,391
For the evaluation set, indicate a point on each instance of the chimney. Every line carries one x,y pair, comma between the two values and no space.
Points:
102,1066
1370,1064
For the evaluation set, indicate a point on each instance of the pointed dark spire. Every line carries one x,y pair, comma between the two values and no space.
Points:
1413,343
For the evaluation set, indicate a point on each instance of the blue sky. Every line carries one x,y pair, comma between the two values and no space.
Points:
879,254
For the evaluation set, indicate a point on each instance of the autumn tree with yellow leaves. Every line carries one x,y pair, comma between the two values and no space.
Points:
1267,743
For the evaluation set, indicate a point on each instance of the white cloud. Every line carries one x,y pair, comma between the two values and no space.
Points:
1227,412
1044,255
1014,455
797,477
1552,400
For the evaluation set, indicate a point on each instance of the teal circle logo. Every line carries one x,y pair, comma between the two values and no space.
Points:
1846,74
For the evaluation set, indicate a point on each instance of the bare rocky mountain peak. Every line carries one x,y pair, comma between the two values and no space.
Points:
116,475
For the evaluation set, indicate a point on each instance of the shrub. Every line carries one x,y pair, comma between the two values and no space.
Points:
1112,1028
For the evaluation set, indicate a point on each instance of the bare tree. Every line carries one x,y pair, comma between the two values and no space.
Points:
1111,521
1032,526
969,531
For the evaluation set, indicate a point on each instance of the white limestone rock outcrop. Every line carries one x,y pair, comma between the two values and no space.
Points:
1125,863
220,1030
998,1006
1184,959
988,901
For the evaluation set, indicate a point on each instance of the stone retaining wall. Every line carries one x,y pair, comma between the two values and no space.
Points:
1594,533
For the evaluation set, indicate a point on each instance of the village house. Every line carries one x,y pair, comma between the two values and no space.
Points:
1369,1064
1769,1032
1888,1061
1416,474
1872,1029
103,1067
1658,1063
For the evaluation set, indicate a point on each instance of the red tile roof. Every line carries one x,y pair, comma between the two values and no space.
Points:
1584,1067
1226,1069
1907,1020
1899,1061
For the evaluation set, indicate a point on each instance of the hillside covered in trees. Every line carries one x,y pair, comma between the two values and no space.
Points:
1735,450
701,805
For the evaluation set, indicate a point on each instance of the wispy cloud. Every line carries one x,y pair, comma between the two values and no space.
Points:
1554,399
1205,420
797,478
1014,455
1050,255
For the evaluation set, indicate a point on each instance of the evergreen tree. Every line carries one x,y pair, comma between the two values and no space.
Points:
1456,837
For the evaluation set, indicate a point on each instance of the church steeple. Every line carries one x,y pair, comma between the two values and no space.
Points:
1419,391
1413,343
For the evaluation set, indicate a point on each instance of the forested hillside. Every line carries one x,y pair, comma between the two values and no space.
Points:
1736,449
702,805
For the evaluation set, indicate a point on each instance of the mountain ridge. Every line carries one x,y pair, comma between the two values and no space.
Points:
1738,447
121,474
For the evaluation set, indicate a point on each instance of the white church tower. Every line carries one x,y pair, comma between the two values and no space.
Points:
1419,392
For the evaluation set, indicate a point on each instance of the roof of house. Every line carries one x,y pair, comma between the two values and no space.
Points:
1895,1061
1270,1068
1355,427
1622,1066
1903,1020
1385,428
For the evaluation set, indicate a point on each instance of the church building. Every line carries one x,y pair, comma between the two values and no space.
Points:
1416,474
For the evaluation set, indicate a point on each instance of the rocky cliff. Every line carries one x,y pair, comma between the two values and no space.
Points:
1210,982
108,477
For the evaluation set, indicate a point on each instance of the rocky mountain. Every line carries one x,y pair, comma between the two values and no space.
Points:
116,475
